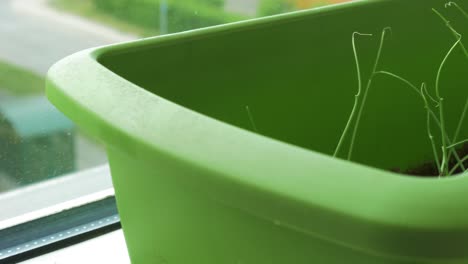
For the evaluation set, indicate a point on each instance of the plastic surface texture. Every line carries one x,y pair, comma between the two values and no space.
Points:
194,185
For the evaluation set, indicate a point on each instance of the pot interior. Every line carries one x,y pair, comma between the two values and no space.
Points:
297,75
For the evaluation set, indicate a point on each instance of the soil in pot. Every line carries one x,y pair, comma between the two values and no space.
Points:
429,168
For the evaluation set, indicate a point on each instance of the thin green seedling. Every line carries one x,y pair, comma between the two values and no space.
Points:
459,125
356,97
430,114
406,82
444,163
422,93
465,14
428,127
458,143
251,119
447,147
454,32
458,37
454,169
430,111
398,77
462,118
366,92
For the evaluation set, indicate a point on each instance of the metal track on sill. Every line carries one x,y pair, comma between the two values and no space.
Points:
50,233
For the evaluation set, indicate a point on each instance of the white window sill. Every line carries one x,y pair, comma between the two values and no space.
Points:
63,196
108,248
55,195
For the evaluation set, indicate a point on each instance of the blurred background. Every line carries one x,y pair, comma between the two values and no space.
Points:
36,141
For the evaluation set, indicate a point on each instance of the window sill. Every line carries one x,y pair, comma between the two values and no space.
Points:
108,248
55,195
45,218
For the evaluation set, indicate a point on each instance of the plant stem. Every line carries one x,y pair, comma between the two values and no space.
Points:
458,37
403,80
449,142
433,115
356,97
458,143
458,7
366,91
458,165
252,122
460,122
444,165
454,32
428,124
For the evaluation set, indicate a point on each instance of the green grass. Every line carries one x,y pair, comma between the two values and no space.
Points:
18,81
85,8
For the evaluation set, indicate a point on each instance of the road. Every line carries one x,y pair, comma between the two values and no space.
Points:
34,37
36,40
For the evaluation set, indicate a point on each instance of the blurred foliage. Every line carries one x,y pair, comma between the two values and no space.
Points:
272,7
143,17
181,15
87,8
18,81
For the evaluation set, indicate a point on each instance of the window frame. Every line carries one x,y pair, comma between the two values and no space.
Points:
76,214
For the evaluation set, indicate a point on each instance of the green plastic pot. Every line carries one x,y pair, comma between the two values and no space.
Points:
195,185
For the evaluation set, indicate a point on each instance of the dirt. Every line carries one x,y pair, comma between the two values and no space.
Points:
429,169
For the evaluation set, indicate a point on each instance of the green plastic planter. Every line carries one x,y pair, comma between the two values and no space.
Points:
194,184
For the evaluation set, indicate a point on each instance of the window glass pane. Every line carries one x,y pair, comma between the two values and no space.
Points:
36,141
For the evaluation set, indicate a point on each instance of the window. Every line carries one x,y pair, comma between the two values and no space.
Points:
45,160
